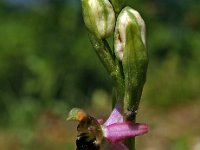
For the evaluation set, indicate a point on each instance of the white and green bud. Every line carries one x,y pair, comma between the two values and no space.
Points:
127,17
99,17
130,48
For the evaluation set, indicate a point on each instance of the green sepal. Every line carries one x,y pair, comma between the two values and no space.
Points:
130,48
135,62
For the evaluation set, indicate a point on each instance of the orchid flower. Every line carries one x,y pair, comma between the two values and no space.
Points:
91,131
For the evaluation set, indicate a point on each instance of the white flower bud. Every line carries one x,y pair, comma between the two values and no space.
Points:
127,16
99,17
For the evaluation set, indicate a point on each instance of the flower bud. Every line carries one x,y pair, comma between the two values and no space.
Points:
130,48
99,17
127,17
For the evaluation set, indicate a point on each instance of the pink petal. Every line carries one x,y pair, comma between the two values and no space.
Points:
115,116
121,131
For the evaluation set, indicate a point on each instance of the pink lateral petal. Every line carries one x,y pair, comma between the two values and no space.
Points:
115,116
120,131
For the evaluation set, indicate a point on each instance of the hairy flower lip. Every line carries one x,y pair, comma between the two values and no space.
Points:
114,130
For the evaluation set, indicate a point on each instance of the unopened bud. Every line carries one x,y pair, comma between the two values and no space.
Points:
128,17
130,48
99,17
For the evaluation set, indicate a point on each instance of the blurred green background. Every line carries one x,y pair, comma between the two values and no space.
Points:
47,66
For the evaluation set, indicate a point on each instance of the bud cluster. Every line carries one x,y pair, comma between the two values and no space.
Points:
127,63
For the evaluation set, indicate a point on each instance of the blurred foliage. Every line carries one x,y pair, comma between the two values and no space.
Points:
47,62
46,56
173,30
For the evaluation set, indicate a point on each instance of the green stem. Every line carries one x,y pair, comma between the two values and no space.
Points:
113,67
130,143
129,73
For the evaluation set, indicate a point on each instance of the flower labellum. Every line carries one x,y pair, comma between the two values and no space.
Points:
91,131
99,17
